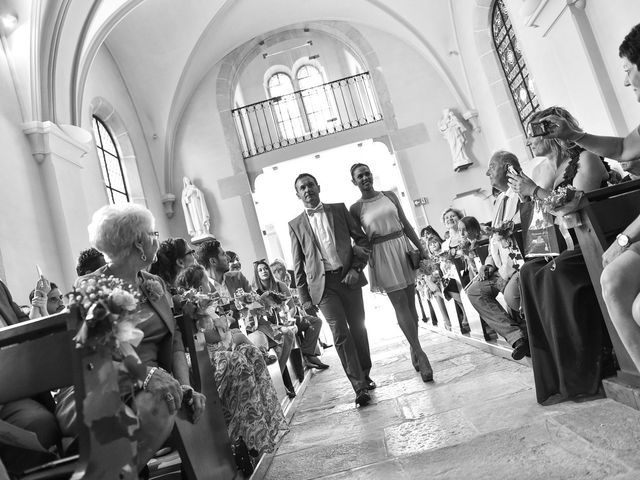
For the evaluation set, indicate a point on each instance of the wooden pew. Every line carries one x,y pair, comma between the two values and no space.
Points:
205,448
603,214
40,355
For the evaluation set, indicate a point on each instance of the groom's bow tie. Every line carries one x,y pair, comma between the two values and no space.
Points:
318,209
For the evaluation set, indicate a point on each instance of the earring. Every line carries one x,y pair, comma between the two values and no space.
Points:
143,257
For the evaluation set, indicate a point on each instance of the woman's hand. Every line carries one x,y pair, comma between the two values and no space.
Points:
560,128
164,386
195,402
521,184
612,253
361,252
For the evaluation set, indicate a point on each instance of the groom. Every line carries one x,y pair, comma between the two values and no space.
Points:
330,276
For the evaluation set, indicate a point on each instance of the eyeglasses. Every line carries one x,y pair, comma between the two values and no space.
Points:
154,234
190,252
262,260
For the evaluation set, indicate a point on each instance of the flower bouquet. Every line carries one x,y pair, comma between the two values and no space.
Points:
563,200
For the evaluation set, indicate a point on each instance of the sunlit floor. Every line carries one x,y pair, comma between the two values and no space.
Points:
478,420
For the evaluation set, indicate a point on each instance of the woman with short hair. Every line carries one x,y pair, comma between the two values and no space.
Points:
125,234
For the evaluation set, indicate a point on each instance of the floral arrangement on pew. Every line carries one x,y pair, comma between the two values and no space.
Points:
504,234
562,201
109,308
108,335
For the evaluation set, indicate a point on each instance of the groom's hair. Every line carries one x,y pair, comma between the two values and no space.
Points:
302,175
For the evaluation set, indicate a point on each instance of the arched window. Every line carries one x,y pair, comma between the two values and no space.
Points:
111,163
285,107
315,98
513,65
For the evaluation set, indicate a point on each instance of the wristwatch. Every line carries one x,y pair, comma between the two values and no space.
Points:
623,240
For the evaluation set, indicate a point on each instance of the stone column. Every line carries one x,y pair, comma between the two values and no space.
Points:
59,151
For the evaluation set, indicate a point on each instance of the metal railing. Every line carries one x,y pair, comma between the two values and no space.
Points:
306,114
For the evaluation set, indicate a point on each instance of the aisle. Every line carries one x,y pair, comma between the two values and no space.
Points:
479,420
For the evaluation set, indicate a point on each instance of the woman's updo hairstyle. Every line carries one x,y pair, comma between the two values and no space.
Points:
355,166
166,266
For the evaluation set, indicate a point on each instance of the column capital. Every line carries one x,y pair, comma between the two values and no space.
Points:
65,141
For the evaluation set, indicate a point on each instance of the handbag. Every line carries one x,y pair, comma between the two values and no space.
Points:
413,256
538,231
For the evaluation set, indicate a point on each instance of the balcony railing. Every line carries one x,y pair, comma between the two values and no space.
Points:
306,114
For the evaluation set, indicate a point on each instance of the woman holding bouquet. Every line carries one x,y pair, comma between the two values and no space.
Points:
384,222
249,400
126,235
566,330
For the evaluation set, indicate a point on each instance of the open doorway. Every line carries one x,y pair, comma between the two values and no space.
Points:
276,202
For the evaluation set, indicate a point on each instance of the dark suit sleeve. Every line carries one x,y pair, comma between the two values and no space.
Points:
298,267
358,236
20,315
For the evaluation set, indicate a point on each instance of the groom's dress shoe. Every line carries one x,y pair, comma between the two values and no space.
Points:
362,398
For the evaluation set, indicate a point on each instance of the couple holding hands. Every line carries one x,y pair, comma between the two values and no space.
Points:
328,270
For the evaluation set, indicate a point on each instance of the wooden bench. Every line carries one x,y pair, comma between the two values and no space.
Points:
40,355
602,215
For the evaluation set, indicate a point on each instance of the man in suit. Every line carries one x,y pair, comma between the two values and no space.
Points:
500,272
329,275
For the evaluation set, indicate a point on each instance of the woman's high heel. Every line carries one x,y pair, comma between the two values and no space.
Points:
426,372
414,360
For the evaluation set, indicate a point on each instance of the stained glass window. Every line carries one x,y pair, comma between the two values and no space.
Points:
111,163
513,65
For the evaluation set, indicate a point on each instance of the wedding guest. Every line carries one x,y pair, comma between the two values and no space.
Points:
265,281
89,261
125,234
621,276
450,219
329,275
234,261
500,271
249,400
471,233
283,274
281,337
380,215
566,330
46,299
174,255
32,414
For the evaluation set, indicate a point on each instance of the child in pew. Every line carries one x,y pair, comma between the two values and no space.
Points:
249,400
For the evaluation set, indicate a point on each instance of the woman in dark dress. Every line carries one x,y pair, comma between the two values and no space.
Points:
566,330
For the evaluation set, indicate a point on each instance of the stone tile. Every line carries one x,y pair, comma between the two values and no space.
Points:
389,470
432,432
326,460
611,426
543,450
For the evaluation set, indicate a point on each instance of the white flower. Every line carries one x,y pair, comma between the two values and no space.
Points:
122,299
127,332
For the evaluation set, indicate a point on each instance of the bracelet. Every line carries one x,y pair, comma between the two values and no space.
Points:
580,137
147,379
534,195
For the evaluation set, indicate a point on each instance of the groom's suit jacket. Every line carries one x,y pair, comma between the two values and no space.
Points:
307,256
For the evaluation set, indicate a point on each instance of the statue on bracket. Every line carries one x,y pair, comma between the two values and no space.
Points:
453,130
196,214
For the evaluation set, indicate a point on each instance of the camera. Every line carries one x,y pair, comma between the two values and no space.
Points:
538,129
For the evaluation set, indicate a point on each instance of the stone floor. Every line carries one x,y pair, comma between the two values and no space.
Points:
478,420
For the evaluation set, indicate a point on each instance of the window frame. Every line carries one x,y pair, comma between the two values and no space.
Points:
96,123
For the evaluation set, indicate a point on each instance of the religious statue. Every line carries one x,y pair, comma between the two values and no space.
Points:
453,131
196,214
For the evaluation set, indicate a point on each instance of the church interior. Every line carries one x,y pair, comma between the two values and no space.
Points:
204,112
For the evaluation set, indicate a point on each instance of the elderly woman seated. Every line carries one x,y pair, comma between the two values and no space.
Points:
126,235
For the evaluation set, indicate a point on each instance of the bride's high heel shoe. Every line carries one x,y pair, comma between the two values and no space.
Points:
414,360
426,372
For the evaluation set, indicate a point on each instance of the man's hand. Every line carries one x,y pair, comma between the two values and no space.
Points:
163,385
351,278
486,272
